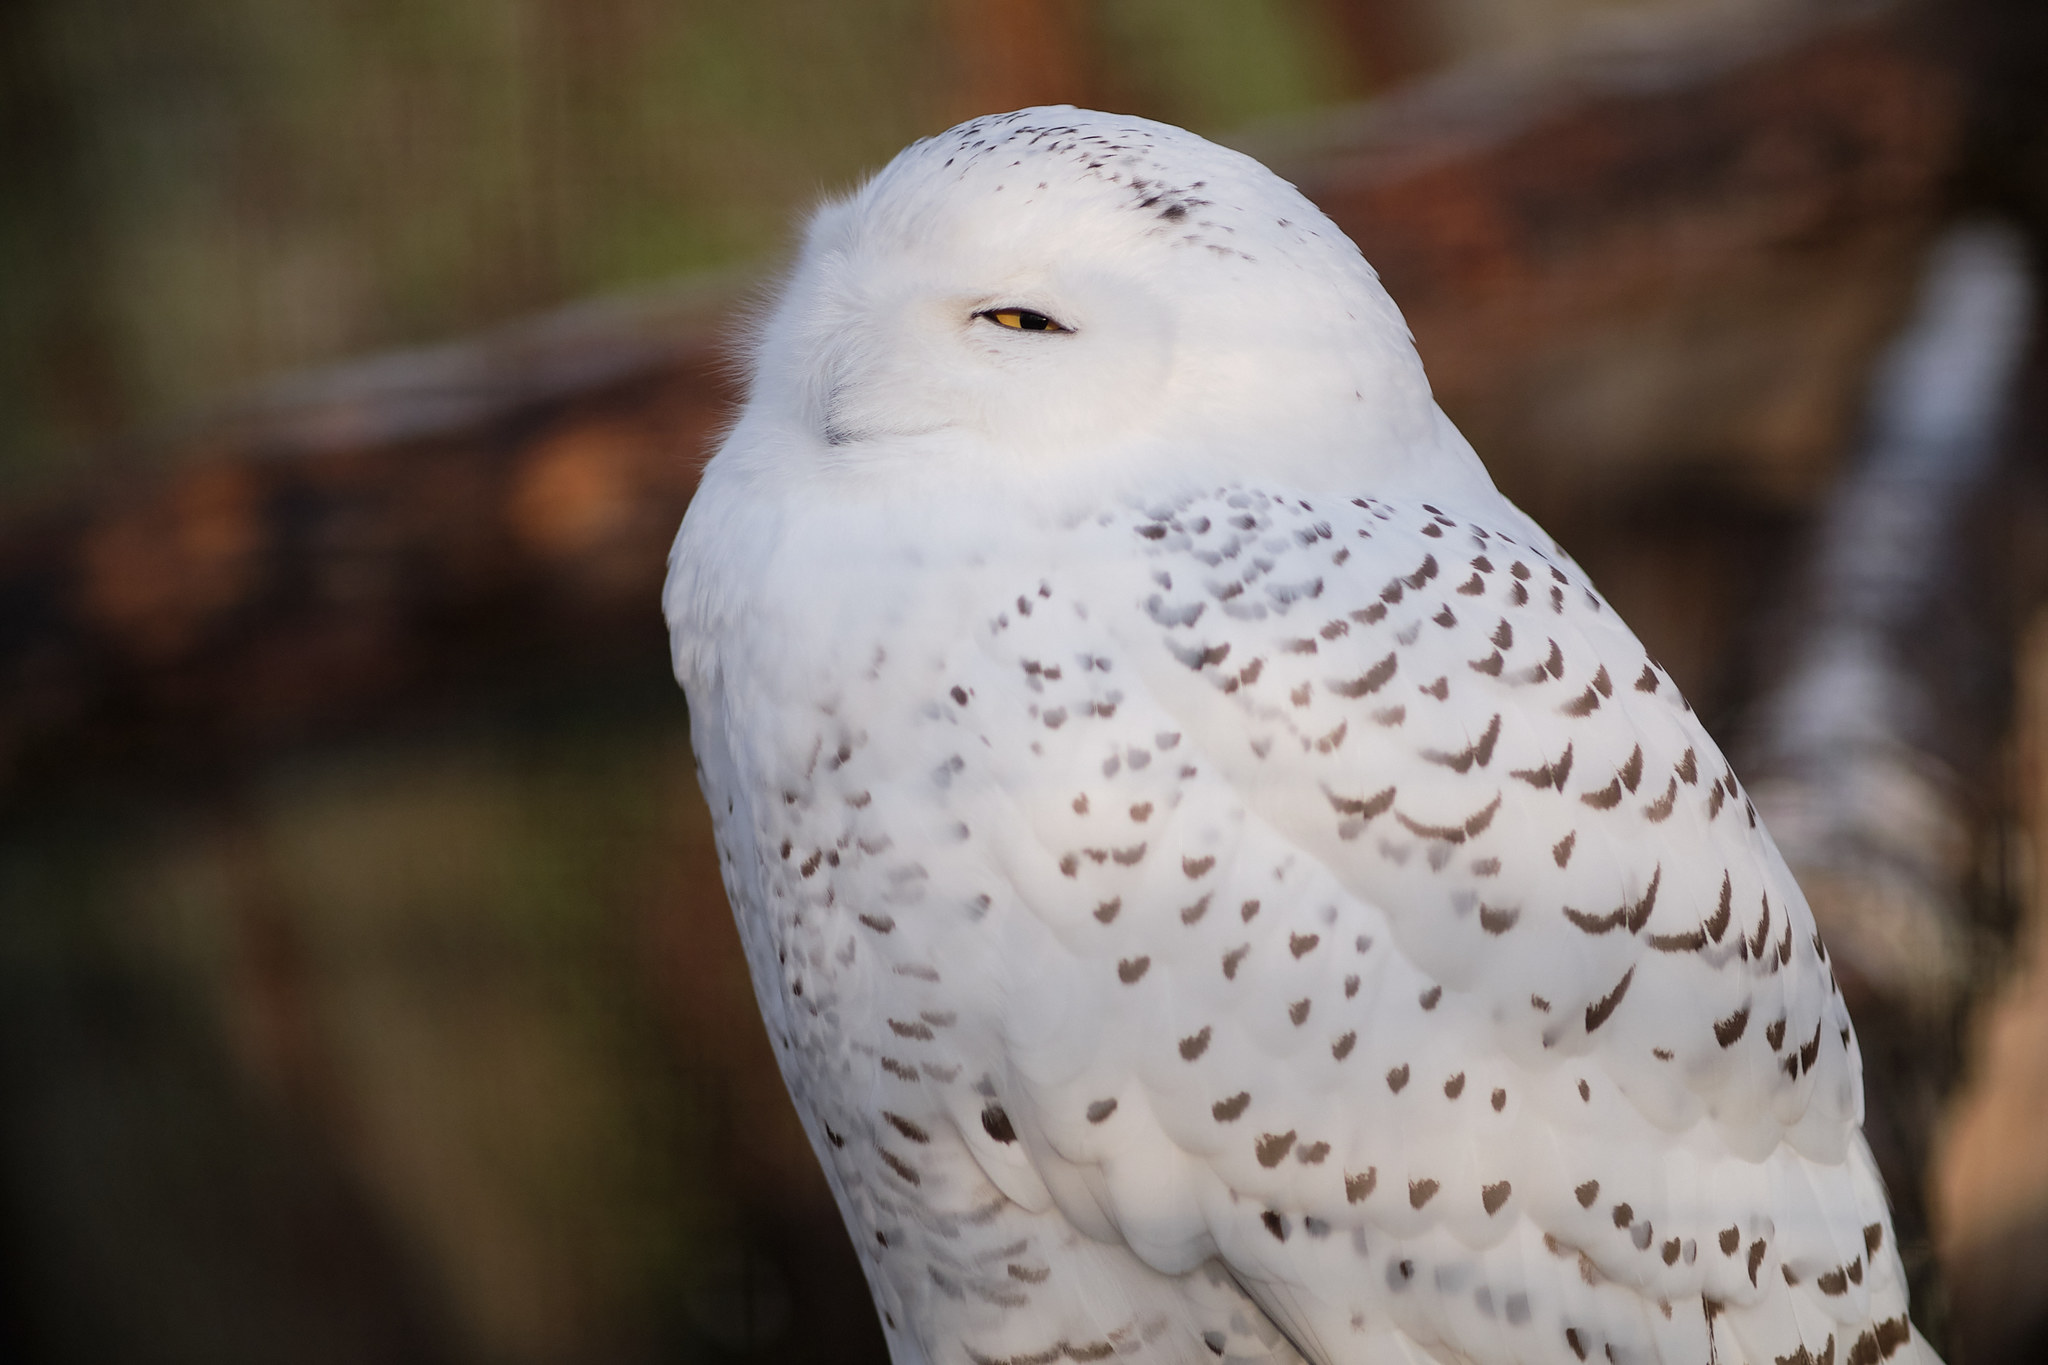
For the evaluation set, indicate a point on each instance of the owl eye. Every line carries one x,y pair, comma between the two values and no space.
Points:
1021,320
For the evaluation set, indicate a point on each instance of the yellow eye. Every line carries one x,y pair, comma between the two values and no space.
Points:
1021,320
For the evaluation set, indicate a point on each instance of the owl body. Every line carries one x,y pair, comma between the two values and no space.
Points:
1220,883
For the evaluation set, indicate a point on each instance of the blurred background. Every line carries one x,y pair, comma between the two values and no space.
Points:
367,993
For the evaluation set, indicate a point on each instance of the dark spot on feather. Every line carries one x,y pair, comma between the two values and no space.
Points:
1273,1147
1728,1030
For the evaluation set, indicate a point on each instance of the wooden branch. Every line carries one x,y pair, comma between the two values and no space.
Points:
1668,255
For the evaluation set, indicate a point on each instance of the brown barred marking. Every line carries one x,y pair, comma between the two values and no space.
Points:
1475,825
1368,682
1658,811
1551,774
1728,1031
1881,1342
1562,849
1691,941
1639,913
1273,1147
1718,924
1809,1052
1450,834
1607,798
1228,1111
1357,1187
1595,924
1600,1011
1479,752
1364,809
906,1127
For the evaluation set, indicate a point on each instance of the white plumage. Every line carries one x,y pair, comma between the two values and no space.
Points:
1220,882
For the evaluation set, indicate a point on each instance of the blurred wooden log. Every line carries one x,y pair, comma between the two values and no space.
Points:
1868,758
1666,256
1990,1178
1851,755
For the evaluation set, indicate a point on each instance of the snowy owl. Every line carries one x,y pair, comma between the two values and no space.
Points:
1220,882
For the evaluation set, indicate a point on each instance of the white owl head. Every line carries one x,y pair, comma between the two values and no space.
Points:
1057,291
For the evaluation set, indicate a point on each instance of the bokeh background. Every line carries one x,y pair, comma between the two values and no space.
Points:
366,988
